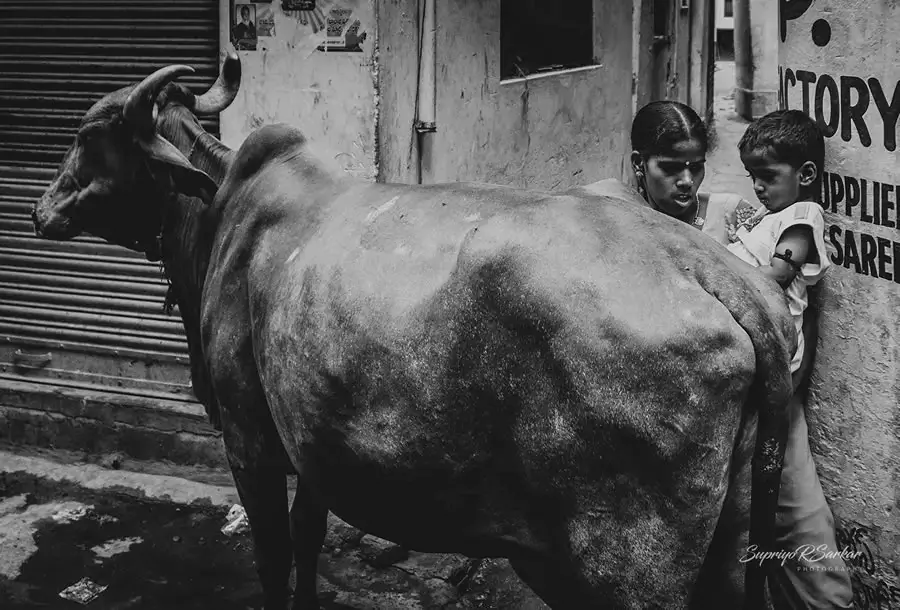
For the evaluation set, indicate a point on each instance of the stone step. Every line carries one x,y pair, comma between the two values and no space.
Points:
95,421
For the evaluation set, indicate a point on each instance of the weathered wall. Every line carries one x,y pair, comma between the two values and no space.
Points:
839,64
552,131
330,96
674,63
756,56
398,73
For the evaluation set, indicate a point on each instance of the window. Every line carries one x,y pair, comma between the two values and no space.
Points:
729,8
538,36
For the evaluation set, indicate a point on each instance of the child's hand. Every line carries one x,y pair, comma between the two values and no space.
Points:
732,232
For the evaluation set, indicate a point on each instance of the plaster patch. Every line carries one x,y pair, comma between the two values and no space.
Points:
384,207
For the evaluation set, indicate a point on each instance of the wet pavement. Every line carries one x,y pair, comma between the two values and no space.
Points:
148,554
146,541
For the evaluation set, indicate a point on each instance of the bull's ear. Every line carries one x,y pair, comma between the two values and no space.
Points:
188,179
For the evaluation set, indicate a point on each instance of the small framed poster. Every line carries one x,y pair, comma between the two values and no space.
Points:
243,26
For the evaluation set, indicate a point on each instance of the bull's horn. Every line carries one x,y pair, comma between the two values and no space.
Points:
224,90
139,105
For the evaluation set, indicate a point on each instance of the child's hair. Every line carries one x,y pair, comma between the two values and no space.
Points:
659,126
790,136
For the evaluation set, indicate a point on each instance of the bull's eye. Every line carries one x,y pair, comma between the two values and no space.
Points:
68,181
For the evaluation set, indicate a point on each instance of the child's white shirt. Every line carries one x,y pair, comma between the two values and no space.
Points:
757,246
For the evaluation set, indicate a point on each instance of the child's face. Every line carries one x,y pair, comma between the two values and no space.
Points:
672,180
777,184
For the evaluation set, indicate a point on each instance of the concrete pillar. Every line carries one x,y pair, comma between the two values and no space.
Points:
838,63
755,57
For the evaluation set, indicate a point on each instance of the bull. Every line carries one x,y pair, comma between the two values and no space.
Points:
571,381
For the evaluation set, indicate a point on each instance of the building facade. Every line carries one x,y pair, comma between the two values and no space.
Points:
415,91
837,64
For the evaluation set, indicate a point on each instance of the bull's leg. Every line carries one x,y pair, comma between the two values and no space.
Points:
257,465
308,524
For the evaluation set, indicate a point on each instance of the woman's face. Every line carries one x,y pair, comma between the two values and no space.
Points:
671,181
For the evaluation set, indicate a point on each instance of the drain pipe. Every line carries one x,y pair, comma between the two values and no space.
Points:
426,109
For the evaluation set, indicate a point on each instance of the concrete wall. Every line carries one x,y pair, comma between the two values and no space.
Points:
398,72
723,21
330,96
549,131
756,57
839,63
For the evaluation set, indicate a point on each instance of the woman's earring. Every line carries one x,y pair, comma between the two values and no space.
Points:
639,176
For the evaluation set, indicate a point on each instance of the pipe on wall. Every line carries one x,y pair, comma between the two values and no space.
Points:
425,122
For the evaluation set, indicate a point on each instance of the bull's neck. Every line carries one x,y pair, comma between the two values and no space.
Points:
202,149
189,227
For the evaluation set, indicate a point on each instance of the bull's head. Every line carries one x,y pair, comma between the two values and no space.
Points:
117,170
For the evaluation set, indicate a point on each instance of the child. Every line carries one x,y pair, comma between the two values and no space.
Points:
784,153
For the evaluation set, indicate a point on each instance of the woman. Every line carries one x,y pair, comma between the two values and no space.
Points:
669,161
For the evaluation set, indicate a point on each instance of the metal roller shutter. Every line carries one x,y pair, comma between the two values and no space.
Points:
85,314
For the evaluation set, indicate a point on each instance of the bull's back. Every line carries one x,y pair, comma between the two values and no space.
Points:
431,322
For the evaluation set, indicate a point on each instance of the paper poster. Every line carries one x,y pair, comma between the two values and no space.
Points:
308,12
265,20
243,29
342,32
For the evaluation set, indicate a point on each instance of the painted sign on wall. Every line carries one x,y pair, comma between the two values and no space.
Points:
838,64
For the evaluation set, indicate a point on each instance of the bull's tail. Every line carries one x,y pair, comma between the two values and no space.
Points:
770,394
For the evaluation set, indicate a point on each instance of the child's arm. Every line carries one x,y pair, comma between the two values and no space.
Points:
797,239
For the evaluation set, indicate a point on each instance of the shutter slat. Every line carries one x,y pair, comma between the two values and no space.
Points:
97,307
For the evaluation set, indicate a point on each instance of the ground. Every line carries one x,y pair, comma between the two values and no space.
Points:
155,540
724,171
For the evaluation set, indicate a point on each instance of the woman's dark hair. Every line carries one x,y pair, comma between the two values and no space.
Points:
659,126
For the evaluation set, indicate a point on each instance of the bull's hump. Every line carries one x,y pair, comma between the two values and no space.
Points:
599,278
268,144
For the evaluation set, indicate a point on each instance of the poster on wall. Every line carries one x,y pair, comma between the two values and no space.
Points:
308,12
243,29
298,5
340,36
265,20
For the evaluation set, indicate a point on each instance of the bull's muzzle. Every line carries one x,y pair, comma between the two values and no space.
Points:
50,223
